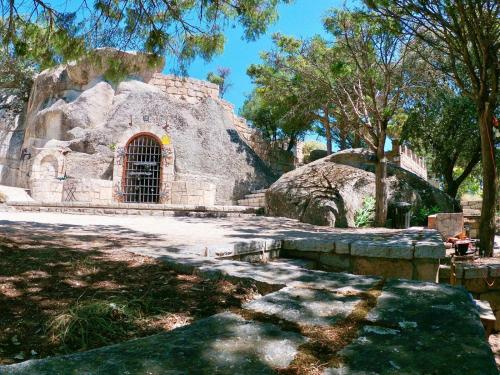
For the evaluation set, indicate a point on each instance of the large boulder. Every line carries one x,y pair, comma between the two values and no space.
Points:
330,190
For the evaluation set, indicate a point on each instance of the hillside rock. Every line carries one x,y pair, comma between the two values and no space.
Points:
329,192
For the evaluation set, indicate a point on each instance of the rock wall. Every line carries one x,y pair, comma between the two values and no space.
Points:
12,127
77,118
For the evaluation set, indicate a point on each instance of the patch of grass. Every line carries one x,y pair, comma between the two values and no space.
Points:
92,324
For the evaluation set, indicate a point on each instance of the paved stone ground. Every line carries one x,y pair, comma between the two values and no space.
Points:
201,236
369,325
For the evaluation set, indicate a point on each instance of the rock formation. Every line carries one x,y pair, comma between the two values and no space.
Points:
330,190
77,118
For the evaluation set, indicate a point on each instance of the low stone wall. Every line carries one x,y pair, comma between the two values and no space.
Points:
88,190
193,192
414,259
482,281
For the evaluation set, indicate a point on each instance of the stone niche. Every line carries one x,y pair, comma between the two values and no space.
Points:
47,175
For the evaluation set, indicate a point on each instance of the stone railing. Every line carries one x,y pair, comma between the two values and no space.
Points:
405,158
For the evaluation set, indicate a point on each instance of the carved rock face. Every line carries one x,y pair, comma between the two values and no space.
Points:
76,116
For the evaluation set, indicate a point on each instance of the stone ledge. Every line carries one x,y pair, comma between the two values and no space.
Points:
381,250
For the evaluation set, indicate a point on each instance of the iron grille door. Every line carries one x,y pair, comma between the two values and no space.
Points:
142,170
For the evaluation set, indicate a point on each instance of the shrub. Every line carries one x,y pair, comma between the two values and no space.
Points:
309,147
365,216
419,217
3,198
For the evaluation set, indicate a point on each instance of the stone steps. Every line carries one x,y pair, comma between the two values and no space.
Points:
255,199
134,209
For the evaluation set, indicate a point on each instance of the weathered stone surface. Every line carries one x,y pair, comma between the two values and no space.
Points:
335,262
382,249
430,249
426,270
392,268
305,306
433,329
330,190
309,244
222,344
12,114
81,115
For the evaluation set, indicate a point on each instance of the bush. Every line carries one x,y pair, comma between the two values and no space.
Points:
309,147
3,198
365,216
419,217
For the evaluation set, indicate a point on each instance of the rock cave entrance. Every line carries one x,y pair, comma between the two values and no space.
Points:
142,169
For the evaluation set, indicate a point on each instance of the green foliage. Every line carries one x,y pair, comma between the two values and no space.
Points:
310,146
274,118
419,217
365,216
16,74
45,33
442,125
221,79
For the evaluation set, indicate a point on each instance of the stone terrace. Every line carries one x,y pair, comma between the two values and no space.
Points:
374,325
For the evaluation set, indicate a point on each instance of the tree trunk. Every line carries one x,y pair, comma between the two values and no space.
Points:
490,181
328,136
380,187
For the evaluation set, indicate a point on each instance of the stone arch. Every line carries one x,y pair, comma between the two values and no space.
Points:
166,174
47,172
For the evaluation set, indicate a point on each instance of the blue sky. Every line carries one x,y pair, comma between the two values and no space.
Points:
303,18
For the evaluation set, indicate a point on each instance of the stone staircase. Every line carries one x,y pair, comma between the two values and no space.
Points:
255,199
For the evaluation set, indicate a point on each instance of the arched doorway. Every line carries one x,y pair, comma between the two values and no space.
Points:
142,169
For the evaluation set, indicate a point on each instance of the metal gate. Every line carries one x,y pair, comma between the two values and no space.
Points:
142,170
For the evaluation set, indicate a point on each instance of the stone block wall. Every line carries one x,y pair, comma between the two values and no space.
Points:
447,224
472,215
189,89
89,190
47,190
482,280
193,192
391,258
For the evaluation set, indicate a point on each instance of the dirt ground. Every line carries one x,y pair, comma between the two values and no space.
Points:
49,292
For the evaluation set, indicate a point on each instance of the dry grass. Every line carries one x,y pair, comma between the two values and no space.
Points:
56,300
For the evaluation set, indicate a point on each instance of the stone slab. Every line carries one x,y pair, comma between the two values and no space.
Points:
420,328
221,344
381,249
315,245
305,306
430,249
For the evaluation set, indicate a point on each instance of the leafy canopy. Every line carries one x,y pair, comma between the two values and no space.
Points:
48,33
